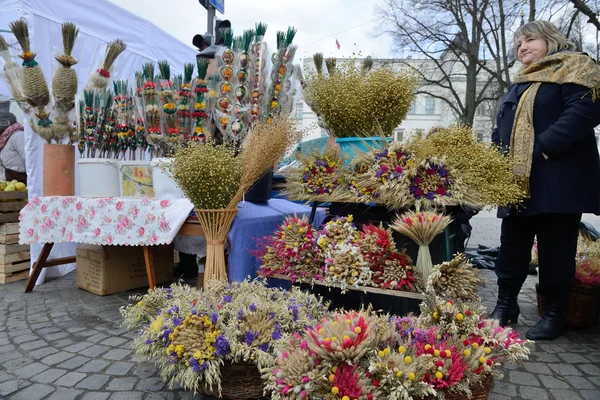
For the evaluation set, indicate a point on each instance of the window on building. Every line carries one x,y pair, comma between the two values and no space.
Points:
299,110
430,106
398,134
413,108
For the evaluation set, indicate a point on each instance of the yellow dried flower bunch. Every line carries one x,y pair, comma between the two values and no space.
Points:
455,279
486,173
208,174
354,102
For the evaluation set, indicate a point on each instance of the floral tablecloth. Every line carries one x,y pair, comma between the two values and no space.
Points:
106,221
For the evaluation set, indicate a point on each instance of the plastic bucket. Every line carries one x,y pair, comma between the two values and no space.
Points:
354,146
98,177
135,179
164,185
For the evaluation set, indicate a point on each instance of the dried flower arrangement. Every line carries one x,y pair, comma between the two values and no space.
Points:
355,102
317,177
587,272
456,279
291,251
422,227
193,334
360,355
337,254
486,173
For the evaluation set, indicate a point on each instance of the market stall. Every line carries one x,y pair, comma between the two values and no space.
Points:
99,22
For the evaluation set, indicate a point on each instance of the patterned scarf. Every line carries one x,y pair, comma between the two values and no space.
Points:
560,68
8,132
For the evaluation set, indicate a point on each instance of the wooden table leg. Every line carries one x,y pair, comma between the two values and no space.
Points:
38,266
149,257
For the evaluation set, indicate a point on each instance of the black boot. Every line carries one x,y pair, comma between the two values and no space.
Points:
552,323
507,309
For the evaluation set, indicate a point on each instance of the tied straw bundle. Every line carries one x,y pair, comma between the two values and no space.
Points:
34,85
99,79
422,227
64,84
12,72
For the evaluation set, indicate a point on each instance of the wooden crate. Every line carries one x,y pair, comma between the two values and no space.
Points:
9,233
10,205
14,262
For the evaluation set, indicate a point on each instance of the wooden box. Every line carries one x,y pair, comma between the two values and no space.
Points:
10,205
106,270
14,257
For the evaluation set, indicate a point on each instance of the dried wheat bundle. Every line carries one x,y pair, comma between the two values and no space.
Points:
35,89
455,279
100,78
263,147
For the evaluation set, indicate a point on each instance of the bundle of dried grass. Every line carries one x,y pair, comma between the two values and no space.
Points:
35,89
456,279
100,78
354,101
265,144
422,227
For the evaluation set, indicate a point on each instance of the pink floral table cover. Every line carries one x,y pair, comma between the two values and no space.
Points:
106,221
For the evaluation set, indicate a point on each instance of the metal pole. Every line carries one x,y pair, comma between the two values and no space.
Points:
210,22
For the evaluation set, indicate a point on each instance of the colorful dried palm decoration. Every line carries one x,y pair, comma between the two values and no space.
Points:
185,97
200,90
258,56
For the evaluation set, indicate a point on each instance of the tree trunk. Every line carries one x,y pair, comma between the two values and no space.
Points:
531,10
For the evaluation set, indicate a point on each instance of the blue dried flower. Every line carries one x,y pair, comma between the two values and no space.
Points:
264,347
221,345
253,307
177,321
214,317
250,336
227,299
240,314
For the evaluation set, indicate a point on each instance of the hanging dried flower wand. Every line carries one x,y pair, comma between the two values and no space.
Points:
99,79
422,227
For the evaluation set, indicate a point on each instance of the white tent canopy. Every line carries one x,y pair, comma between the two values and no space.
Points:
99,22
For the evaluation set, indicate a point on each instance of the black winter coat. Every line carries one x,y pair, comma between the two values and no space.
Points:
564,118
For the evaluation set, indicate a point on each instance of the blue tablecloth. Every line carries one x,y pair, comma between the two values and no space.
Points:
254,221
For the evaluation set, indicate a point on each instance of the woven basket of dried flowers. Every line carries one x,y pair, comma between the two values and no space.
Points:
240,382
216,224
479,391
583,309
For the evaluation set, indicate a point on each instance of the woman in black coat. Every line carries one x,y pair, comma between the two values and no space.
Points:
546,122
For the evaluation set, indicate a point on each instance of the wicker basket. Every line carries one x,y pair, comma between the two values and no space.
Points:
583,309
238,382
479,391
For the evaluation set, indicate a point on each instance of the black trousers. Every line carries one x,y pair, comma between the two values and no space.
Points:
557,246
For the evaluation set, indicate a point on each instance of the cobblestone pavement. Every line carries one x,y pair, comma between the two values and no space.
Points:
63,343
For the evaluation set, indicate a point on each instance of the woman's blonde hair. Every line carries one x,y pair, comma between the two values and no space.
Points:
546,30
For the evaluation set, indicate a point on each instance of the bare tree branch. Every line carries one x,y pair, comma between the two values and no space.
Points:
588,12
